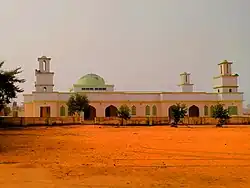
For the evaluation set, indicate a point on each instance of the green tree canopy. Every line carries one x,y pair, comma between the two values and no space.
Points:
77,103
179,111
124,112
9,85
220,113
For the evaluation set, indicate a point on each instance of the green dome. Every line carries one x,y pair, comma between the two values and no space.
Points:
91,80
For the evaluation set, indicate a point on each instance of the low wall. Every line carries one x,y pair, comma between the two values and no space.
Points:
166,121
32,121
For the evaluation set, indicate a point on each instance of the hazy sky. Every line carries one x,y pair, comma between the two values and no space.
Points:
134,44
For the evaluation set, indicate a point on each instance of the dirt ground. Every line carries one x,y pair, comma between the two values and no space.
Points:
94,156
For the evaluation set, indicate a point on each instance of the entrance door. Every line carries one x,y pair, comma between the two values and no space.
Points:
45,111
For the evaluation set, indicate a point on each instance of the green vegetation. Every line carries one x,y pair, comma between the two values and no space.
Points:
9,85
221,114
179,111
77,103
124,113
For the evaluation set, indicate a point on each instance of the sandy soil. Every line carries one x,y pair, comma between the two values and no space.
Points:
93,156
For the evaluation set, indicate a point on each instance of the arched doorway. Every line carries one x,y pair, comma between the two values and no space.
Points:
90,113
111,111
170,112
194,111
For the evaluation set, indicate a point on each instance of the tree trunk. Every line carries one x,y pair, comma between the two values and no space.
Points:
220,123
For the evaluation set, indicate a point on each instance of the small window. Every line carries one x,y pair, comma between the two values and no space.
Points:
147,110
83,88
96,88
218,91
211,111
206,110
91,88
154,110
44,65
230,90
104,89
44,89
62,111
133,111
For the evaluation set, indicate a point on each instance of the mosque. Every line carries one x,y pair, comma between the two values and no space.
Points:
104,100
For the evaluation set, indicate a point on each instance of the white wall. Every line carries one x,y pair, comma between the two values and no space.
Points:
106,96
190,97
27,98
226,81
162,101
44,78
37,96
231,96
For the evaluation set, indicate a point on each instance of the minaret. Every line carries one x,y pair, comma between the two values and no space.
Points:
185,84
44,78
226,82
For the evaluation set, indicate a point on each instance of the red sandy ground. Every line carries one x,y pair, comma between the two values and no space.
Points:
93,156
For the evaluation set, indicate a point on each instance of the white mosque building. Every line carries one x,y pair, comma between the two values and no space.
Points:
104,100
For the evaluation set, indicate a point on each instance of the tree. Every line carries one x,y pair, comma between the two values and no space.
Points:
77,103
221,114
8,85
124,113
179,111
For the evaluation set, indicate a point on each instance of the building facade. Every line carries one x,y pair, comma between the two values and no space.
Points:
104,100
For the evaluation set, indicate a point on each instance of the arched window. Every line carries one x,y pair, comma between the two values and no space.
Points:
44,66
133,111
230,90
44,89
62,111
206,110
154,110
147,110
211,110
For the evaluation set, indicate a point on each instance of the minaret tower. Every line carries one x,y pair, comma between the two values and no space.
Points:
44,78
185,84
226,82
